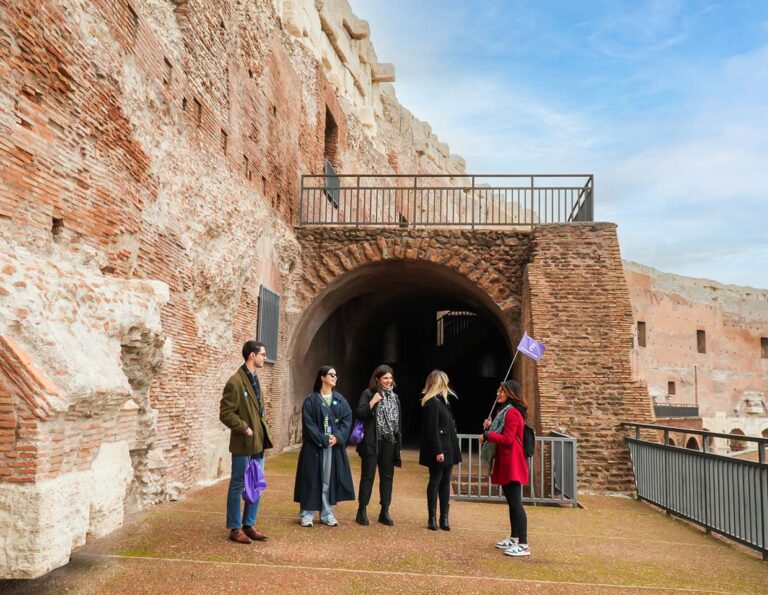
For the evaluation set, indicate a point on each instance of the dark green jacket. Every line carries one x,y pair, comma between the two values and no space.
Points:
239,410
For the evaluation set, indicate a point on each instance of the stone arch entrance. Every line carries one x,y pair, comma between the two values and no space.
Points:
417,303
415,316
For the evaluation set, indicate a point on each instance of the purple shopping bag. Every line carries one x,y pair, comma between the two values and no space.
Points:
356,436
254,482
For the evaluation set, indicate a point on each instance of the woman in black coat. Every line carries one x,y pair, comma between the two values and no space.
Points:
439,446
323,476
379,410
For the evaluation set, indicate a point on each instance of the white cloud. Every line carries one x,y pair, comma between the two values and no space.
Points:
679,144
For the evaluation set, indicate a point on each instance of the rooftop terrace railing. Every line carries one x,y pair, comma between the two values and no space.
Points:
722,494
485,201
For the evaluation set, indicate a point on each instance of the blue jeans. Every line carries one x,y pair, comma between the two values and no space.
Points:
235,495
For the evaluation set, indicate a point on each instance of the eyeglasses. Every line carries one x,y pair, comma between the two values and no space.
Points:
332,375
261,353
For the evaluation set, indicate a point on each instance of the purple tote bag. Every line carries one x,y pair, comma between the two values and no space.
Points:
254,481
356,436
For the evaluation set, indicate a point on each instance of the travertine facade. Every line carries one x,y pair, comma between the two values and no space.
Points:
151,157
705,344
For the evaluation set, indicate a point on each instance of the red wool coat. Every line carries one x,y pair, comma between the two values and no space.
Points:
509,463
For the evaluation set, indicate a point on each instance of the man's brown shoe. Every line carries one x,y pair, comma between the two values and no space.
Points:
254,534
239,536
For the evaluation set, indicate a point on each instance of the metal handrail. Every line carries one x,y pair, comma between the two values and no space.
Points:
445,200
761,442
552,472
722,494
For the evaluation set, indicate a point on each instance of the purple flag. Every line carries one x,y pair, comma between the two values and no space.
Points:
531,347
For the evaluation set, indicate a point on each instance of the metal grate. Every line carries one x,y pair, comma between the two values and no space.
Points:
269,321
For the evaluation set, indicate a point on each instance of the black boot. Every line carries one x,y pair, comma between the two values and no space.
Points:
444,520
431,522
362,517
384,517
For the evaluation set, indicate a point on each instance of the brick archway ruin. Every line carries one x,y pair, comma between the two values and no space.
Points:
390,266
563,284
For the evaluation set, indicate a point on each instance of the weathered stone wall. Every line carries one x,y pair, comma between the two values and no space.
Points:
151,156
673,308
580,309
729,381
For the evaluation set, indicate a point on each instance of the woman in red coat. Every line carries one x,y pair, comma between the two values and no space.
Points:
510,466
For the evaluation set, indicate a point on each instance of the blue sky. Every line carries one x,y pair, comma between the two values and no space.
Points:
666,102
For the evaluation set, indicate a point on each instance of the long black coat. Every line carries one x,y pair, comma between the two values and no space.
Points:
438,433
369,445
308,489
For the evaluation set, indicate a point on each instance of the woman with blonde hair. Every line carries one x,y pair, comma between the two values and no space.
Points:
439,450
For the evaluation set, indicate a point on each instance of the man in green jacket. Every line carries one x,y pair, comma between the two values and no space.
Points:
242,411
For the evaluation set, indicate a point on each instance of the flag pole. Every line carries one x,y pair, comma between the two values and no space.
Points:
514,357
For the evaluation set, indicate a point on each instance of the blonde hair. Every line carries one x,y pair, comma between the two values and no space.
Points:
436,384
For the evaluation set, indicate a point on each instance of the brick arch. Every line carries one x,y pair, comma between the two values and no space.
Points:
338,264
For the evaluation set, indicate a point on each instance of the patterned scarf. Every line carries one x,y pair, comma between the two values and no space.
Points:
488,450
387,416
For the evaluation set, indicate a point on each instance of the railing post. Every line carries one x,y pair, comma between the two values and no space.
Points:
705,487
301,201
763,511
357,208
591,209
415,186
532,190
473,203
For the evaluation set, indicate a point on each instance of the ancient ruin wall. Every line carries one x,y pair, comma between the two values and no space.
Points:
733,370
580,309
151,155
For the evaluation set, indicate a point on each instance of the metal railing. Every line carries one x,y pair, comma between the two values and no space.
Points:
722,494
483,200
552,472
452,324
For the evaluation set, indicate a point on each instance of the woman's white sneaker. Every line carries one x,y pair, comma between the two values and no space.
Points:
506,543
518,550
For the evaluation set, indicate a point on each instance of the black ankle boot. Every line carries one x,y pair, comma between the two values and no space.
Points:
432,523
444,521
362,517
384,517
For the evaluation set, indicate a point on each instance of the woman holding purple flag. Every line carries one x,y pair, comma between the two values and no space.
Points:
504,436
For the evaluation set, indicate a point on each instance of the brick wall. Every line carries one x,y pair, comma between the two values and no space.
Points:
165,141
580,309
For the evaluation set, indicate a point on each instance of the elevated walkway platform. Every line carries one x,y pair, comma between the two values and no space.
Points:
612,545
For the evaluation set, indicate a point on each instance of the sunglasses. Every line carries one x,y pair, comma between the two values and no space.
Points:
333,375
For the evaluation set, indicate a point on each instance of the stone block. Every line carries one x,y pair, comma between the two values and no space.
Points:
45,521
382,72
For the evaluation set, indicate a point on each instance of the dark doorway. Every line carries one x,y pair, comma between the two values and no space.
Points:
415,328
